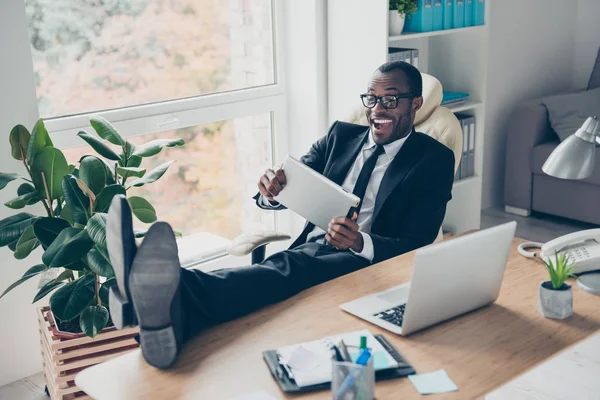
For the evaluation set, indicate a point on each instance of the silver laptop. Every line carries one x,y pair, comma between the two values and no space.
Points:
448,279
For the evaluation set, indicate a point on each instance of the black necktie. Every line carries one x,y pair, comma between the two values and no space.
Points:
365,174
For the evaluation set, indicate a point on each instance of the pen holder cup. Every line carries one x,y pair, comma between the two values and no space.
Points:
351,381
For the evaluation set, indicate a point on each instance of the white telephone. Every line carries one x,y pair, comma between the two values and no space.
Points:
582,247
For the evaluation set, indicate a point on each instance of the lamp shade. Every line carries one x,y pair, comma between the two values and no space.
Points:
574,157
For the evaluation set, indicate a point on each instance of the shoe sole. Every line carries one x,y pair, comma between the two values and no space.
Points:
153,284
120,242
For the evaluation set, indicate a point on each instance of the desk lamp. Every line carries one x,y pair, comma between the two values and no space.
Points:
574,159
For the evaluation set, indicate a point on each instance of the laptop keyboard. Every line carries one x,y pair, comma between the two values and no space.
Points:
393,315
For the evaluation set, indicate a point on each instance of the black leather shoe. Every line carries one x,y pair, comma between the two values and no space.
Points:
155,294
120,242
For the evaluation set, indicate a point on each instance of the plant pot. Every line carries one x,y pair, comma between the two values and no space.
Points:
395,22
65,354
555,303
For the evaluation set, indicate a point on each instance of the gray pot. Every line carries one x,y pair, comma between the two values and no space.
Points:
556,304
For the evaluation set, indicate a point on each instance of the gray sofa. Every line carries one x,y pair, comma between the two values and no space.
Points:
530,141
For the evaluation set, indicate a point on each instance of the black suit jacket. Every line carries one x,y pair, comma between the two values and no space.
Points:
411,202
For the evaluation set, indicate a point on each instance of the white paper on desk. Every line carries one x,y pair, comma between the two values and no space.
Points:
313,359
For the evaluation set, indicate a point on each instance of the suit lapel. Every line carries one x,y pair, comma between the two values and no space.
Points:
400,166
342,163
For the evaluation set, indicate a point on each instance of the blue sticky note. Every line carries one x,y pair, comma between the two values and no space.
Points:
433,382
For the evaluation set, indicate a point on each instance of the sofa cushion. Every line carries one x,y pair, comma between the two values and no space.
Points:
567,112
542,152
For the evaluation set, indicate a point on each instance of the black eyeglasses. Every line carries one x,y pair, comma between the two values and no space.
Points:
388,101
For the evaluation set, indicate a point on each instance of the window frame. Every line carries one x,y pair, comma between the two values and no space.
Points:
185,112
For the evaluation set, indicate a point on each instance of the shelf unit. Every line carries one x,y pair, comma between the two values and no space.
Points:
358,43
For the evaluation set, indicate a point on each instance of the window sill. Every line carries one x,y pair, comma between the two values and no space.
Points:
200,248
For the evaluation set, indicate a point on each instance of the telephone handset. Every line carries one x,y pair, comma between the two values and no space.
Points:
582,247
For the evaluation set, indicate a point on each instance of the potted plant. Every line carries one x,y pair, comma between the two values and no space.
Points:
398,11
555,297
72,233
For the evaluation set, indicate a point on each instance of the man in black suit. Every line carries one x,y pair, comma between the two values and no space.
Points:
403,177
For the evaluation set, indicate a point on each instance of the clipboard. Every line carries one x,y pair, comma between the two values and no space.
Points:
289,386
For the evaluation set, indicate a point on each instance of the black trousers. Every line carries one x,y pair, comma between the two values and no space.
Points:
210,298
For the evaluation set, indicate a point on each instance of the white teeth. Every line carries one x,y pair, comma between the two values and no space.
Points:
382,121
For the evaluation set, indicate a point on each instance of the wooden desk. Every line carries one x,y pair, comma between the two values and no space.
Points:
480,351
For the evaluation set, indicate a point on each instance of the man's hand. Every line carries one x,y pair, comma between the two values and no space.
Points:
343,234
271,183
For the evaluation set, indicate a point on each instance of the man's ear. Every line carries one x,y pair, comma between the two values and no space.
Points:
417,103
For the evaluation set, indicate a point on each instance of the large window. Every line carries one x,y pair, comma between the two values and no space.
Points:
92,55
210,186
207,71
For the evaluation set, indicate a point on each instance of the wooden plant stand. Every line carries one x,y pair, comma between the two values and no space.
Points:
64,355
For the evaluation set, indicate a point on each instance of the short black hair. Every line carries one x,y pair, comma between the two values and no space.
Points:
415,81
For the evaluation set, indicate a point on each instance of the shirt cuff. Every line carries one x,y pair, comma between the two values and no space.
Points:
367,251
267,203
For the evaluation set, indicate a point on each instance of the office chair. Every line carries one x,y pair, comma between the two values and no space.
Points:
432,119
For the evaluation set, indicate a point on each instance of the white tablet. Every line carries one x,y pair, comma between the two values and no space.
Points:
313,196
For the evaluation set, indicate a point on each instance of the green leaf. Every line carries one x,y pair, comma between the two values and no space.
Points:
92,172
155,146
78,202
26,244
105,288
96,228
13,245
19,142
93,319
39,140
78,266
153,175
22,201
6,178
142,209
31,272
65,214
26,188
126,172
105,197
46,289
47,229
70,300
110,174
69,246
106,131
99,146
12,228
99,263
53,164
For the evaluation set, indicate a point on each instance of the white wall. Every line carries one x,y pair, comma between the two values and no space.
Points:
587,41
530,55
19,339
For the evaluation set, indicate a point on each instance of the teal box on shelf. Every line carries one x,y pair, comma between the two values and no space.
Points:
448,14
469,13
422,19
438,15
479,12
459,14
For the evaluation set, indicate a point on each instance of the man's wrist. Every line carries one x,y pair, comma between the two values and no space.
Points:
358,244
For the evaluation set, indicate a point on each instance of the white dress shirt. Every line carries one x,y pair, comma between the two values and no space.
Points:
365,217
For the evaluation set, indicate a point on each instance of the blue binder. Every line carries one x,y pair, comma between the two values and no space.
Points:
438,15
469,13
448,14
459,14
479,11
422,20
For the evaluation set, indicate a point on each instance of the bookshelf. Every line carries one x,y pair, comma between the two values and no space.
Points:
358,43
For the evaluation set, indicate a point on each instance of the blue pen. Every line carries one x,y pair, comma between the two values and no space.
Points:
363,359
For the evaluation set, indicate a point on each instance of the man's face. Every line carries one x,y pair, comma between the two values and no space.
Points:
388,125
